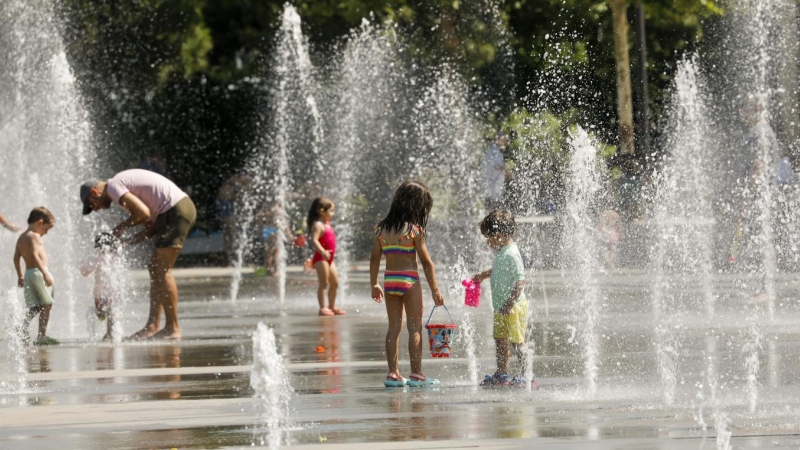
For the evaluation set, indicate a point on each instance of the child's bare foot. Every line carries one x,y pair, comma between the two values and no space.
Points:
108,337
339,311
325,312
167,335
144,333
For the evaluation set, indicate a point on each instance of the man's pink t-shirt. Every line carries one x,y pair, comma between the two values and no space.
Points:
155,191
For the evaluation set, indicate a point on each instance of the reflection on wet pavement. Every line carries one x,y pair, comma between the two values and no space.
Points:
196,393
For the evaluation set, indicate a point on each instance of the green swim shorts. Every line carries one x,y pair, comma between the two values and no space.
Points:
37,293
174,225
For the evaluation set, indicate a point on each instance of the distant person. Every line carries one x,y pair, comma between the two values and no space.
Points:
8,225
763,164
227,208
105,287
166,213
37,281
507,278
494,173
609,227
271,218
401,237
323,242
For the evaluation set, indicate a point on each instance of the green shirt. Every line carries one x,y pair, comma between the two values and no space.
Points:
507,269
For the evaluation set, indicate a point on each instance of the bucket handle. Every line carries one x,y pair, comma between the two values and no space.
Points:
433,310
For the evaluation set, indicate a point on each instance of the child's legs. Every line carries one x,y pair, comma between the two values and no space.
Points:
413,304
44,318
394,310
109,320
518,349
323,274
271,252
32,312
500,335
333,285
501,352
517,329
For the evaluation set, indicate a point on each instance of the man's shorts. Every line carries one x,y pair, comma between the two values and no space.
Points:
37,293
513,326
173,226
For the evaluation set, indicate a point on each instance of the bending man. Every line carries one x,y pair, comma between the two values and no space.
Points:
166,213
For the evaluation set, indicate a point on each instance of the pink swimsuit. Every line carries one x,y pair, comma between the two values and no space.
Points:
328,242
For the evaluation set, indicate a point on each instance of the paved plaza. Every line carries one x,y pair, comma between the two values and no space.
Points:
196,393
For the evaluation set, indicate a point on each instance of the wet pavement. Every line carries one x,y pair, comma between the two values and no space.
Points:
196,393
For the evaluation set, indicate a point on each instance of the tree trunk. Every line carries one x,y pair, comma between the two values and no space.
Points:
619,16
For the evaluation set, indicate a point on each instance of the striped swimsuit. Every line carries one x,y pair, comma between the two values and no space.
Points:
398,282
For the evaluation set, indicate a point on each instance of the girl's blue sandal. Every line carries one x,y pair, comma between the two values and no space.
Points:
393,381
417,380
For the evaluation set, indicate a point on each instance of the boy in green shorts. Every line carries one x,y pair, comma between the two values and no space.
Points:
508,299
37,281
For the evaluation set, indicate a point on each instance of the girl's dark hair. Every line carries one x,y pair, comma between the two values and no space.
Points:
499,222
411,205
322,203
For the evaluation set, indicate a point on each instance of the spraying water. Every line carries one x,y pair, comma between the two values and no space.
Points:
683,220
288,156
583,188
16,341
272,389
45,148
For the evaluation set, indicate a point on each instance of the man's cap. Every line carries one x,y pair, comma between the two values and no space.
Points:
86,189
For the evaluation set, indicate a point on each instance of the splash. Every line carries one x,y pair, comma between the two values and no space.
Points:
584,186
273,392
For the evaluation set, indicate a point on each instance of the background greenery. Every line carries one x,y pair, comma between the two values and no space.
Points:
181,80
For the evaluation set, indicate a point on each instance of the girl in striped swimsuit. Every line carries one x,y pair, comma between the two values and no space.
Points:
401,237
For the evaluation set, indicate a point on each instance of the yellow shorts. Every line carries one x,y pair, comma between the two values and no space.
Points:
513,326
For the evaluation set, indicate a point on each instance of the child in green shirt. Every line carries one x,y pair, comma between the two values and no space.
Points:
507,278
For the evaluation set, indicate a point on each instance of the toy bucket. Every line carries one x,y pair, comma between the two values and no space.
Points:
440,335
472,295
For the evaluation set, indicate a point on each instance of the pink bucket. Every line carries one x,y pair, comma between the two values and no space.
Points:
440,336
472,296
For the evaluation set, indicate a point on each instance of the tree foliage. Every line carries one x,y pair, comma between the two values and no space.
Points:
181,77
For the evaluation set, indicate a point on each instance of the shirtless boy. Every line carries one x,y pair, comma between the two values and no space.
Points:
37,281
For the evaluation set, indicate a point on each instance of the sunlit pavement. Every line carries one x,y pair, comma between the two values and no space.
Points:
196,392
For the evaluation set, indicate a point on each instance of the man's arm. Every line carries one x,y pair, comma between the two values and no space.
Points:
148,232
138,210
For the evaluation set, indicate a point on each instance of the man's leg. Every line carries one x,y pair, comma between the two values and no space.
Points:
164,290
154,315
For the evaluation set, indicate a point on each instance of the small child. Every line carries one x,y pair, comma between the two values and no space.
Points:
37,281
401,237
508,299
105,291
323,241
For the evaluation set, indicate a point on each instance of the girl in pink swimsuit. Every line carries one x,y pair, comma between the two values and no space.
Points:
401,238
323,241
